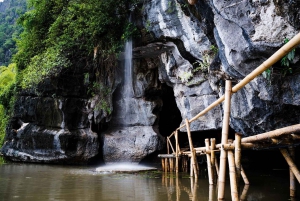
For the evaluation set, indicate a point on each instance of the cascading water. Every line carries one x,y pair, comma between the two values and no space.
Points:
128,88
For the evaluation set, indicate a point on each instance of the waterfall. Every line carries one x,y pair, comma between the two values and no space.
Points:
128,92
62,125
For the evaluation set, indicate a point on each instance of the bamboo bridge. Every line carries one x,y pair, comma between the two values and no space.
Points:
285,139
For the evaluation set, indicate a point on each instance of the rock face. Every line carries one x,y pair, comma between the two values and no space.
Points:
191,48
245,33
56,128
130,144
133,134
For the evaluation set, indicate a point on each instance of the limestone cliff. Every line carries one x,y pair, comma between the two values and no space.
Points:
192,49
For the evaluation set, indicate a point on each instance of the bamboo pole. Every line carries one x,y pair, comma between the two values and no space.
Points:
213,159
225,129
244,193
284,50
193,154
191,167
217,166
211,193
290,162
171,162
232,176
273,134
168,146
177,189
209,166
171,145
166,165
176,151
244,176
292,176
163,164
237,157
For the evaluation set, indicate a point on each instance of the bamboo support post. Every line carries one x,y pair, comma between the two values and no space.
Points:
171,163
232,175
211,193
244,176
177,189
168,146
237,157
292,176
176,152
217,166
290,162
193,153
166,165
225,129
244,193
209,166
191,167
213,158
163,164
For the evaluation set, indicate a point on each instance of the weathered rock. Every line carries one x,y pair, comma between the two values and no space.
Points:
130,144
33,143
246,34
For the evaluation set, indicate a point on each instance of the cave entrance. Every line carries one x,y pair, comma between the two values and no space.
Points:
170,116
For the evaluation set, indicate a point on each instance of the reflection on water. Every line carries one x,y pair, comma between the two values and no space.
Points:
44,182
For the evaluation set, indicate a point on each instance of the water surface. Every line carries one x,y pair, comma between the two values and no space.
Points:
46,182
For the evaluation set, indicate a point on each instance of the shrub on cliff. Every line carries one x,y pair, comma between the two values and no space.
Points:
7,83
61,33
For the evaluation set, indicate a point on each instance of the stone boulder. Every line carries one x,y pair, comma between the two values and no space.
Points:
130,144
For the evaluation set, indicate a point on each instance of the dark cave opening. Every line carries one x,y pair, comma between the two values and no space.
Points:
169,116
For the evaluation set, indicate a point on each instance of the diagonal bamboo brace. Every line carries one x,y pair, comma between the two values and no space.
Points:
291,163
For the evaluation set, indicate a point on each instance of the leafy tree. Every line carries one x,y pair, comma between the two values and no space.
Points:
9,29
78,33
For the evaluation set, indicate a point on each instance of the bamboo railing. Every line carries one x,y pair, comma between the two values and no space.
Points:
239,143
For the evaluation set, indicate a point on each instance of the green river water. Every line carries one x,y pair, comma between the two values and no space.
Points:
48,182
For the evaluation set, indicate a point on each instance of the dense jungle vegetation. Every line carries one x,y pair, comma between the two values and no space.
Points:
58,34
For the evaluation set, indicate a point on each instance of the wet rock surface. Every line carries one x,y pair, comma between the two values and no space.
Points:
130,144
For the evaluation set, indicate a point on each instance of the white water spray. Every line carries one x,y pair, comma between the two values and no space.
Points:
128,87
62,125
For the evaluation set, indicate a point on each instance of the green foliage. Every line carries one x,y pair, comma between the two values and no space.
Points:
9,30
267,74
186,76
287,60
80,33
3,123
208,56
50,63
7,83
7,86
103,93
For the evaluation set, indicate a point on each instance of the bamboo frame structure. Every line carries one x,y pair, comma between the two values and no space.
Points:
193,154
237,157
232,175
251,142
209,166
244,176
224,140
291,163
292,176
213,158
177,150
